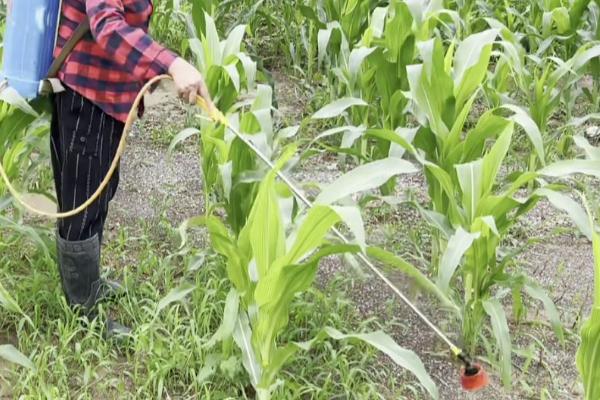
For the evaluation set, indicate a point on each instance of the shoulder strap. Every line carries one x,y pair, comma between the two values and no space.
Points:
82,29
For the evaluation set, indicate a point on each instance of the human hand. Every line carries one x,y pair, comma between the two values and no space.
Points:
189,82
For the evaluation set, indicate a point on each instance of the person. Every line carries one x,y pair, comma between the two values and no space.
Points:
101,78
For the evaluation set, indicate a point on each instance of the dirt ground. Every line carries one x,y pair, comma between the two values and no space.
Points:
152,183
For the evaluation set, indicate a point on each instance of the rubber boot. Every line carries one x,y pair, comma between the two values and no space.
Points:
79,267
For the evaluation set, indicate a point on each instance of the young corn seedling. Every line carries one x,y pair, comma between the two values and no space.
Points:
274,258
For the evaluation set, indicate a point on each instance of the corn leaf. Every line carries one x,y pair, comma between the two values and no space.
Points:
318,222
365,177
522,118
471,184
412,272
242,335
494,159
266,227
336,108
574,210
471,52
458,245
353,220
500,329
538,293
471,64
560,169
406,359
181,136
275,292
430,87
591,152
588,355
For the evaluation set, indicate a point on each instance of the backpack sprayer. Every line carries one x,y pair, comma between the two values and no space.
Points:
29,68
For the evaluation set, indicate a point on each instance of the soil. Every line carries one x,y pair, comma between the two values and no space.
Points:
153,184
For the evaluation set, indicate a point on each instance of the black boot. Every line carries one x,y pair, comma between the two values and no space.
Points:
79,267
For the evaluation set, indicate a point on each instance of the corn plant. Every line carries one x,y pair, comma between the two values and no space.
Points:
231,171
269,263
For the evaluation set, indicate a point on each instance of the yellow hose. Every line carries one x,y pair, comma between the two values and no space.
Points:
214,114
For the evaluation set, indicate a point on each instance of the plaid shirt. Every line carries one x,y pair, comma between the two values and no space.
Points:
110,67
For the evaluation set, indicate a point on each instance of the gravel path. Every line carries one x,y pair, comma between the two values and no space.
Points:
151,183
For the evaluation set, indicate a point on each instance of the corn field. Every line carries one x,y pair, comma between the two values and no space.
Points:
453,142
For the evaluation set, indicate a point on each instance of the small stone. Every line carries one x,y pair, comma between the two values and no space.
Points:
592,132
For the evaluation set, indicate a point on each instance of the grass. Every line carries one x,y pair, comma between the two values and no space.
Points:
166,358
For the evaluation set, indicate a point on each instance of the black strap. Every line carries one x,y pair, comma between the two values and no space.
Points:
81,30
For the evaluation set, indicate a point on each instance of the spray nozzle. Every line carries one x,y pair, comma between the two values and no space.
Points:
472,375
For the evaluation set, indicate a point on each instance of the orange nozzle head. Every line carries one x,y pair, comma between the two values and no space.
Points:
473,378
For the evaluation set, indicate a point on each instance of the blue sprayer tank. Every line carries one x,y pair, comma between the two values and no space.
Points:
29,42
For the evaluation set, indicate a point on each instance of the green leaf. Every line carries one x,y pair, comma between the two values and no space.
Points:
494,159
500,329
242,335
230,316
470,180
234,41
429,99
175,295
470,51
458,245
8,302
471,64
564,168
266,227
522,118
212,43
181,136
353,220
365,177
357,57
565,203
538,293
412,272
311,233
12,97
11,354
336,108
489,126
588,355
384,343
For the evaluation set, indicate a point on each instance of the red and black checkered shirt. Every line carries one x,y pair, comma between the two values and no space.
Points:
111,66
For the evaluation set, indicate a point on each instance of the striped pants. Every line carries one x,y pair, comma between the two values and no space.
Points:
83,144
